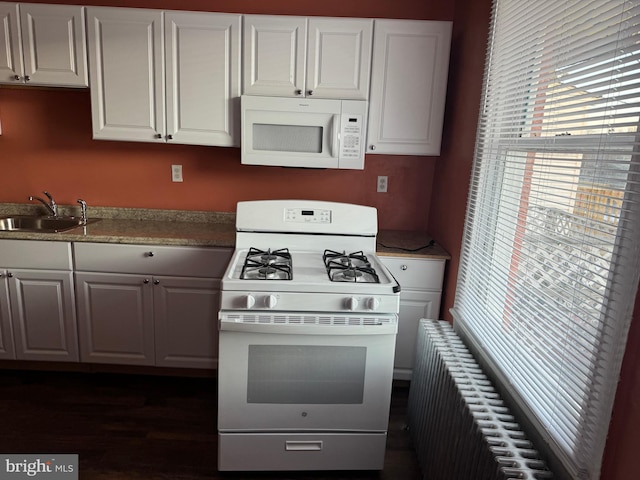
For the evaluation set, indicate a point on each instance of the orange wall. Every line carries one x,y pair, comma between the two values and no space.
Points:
46,144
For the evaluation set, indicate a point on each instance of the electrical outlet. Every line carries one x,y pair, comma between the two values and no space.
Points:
383,183
176,173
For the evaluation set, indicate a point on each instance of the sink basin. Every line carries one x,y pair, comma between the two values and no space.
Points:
29,223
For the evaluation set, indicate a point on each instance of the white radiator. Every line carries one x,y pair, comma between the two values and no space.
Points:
459,425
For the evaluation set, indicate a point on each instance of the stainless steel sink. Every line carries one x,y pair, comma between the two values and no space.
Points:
30,223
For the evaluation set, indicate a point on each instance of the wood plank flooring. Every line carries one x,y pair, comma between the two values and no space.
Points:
143,427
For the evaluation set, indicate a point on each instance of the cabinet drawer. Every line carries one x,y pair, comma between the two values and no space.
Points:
151,259
416,273
39,254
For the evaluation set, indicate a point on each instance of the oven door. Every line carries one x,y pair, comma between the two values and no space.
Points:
289,375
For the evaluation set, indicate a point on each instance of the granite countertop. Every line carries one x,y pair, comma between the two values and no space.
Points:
179,227
401,243
136,226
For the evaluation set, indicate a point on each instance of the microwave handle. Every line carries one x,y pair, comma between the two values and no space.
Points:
335,138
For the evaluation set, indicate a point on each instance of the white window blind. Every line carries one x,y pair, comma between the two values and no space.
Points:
549,264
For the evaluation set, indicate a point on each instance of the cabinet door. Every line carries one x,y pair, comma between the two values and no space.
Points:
126,73
414,305
43,315
274,51
6,333
186,321
408,86
203,78
10,44
115,318
54,44
339,58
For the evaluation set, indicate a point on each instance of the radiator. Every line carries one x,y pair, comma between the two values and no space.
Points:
460,427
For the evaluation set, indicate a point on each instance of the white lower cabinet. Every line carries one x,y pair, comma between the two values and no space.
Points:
6,331
37,305
186,328
115,318
421,290
164,315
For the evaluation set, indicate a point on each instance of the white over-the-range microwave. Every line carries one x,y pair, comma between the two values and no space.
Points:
303,132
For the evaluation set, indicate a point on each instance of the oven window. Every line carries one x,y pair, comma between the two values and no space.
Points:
287,138
306,374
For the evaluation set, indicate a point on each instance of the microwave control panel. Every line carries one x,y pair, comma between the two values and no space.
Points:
351,136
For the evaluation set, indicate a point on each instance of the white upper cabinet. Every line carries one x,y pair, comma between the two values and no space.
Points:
339,58
203,77
274,50
164,77
408,86
43,45
10,44
126,71
298,56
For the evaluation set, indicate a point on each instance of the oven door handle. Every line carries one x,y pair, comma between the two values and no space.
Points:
227,325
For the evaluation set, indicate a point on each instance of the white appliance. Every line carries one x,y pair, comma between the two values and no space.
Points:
308,324
303,132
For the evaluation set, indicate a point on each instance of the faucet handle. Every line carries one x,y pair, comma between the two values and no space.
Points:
83,210
51,200
52,203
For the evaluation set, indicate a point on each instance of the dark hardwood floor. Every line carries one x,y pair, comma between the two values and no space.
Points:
141,427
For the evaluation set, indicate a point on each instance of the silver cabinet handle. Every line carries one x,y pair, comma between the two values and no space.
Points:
17,78
309,92
27,78
403,267
157,135
10,275
156,282
298,92
169,137
150,254
372,147
145,281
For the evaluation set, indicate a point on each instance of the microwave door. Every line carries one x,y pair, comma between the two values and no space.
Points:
291,139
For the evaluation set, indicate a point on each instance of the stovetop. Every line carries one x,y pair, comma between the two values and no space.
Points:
328,271
307,256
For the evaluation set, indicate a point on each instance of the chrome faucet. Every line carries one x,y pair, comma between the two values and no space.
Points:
51,205
83,210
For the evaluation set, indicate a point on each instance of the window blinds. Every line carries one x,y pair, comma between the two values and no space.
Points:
549,263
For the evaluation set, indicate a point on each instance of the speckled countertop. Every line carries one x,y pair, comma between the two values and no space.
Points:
401,243
180,227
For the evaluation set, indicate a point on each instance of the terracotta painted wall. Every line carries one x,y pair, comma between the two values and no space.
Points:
46,144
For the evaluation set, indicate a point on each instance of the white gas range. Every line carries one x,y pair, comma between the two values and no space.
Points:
307,323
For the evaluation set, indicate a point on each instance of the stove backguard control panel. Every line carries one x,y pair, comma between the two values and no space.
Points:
302,215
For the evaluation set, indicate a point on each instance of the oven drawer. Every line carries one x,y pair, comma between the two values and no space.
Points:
416,273
151,259
282,451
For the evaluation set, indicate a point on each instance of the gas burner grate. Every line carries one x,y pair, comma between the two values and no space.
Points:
267,265
349,267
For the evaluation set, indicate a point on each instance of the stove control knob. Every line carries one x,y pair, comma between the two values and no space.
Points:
373,303
249,301
270,301
352,303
